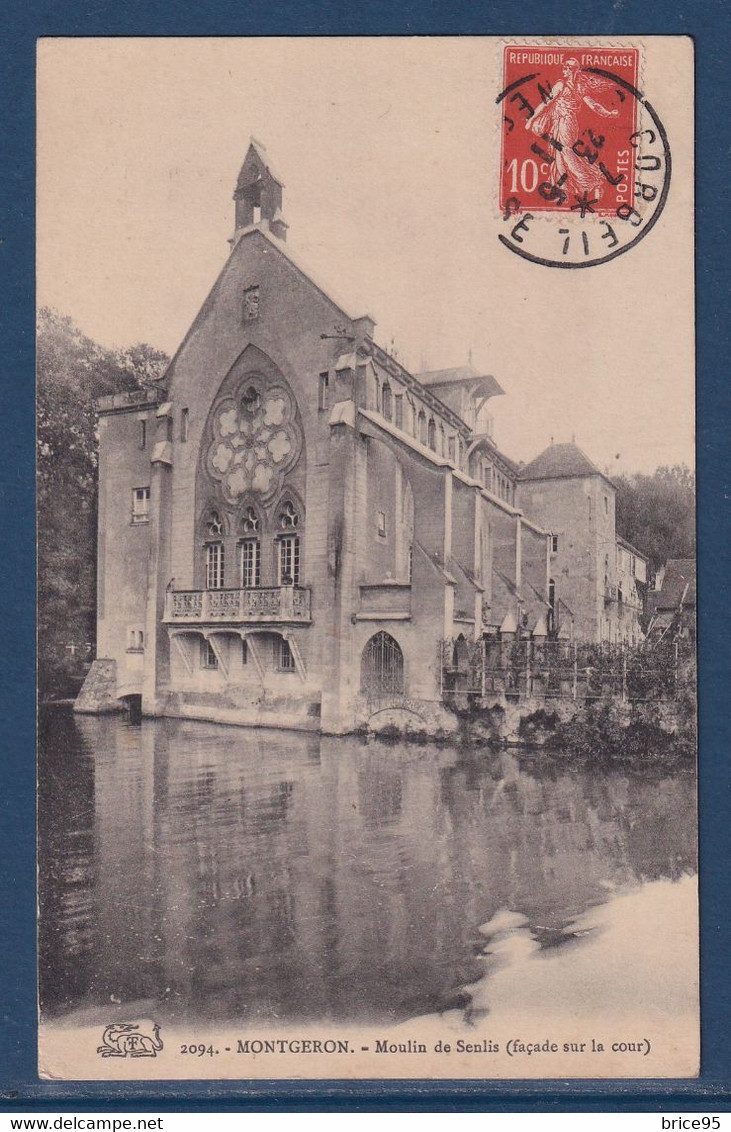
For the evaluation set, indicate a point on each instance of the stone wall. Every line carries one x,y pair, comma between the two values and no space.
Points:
99,692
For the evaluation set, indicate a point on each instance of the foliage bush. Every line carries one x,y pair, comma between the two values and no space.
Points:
72,372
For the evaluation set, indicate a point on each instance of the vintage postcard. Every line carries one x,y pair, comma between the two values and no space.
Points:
366,559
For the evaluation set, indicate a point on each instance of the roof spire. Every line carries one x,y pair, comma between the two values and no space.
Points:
258,194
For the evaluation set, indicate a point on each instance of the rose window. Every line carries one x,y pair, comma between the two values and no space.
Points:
255,441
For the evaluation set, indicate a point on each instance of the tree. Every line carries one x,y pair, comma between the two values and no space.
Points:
72,372
656,513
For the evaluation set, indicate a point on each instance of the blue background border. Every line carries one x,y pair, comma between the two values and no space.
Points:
709,24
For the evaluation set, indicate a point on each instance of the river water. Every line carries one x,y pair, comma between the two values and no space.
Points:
224,874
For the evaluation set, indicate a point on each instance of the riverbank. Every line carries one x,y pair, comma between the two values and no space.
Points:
607,731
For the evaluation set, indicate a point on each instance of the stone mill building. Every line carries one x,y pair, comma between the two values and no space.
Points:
293,524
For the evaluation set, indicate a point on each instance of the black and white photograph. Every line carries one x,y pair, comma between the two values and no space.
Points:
366,558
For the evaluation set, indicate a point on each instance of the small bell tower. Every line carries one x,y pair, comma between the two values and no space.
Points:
258,194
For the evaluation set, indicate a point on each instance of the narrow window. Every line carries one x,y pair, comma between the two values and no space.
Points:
432,435
554,544
244,651
143,434
169,428
322,391
411,564
422,426
141,505
606,505
184,424
135,640
208,656
442,441
399,410
250,564
214,565
288,564
285,659
386,402
451,448
382,524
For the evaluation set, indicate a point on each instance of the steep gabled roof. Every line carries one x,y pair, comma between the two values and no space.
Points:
678,585
632,549
561,461
261,152
458,374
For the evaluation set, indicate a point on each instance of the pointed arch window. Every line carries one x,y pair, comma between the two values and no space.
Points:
213,551
251,556
422,426
382,667
288,549
442,441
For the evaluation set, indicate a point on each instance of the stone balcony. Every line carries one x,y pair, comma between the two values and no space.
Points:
265,604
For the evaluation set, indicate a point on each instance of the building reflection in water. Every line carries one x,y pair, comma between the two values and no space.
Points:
229,874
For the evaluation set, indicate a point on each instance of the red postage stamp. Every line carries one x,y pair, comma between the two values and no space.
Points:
568,116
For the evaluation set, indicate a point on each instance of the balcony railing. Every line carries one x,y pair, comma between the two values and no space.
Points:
266,603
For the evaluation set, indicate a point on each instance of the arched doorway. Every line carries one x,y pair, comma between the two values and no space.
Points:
382,667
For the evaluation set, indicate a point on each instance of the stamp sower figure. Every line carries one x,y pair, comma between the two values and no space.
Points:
560,119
